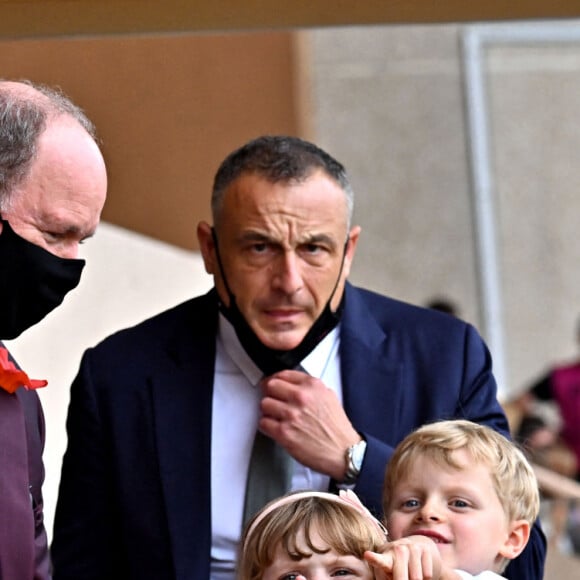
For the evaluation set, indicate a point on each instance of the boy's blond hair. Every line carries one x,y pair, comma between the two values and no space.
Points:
513,478
291,522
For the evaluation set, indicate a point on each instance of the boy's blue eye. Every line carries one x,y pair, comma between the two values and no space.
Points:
460,503
411,503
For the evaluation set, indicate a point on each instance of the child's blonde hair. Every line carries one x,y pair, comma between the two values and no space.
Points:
283,522
513,478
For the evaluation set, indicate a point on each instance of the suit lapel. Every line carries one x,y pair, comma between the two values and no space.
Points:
371,376
182,402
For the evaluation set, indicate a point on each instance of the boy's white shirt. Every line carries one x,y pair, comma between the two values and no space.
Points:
487,575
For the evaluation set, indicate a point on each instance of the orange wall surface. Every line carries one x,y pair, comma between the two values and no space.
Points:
168,110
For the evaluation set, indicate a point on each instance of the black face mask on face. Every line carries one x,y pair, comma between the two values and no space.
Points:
33,282
270,360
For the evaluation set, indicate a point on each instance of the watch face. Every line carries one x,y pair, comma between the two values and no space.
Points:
358,454
354,459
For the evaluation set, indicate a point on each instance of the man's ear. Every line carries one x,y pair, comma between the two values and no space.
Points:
207,247
516,539
352,241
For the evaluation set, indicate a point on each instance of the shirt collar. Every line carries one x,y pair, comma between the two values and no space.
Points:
314,364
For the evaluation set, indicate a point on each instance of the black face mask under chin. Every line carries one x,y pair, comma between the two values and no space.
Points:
270,360
33,282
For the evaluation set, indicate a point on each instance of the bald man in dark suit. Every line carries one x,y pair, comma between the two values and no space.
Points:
52,190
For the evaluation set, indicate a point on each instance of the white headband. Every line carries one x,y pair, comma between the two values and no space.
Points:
345,497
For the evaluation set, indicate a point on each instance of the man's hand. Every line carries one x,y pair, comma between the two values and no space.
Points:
307,419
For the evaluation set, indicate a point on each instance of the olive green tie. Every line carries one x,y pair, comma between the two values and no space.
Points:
269,473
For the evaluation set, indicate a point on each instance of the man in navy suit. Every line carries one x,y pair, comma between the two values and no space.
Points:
163,415
53,184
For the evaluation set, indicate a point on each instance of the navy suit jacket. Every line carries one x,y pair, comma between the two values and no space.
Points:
134,499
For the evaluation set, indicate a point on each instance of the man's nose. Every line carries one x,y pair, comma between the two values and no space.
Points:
287,275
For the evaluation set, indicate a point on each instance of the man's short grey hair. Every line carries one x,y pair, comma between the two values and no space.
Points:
24,115
279,159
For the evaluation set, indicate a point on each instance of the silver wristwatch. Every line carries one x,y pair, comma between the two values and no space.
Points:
354,459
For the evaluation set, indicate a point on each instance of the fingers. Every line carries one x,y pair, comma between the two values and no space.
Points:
308,420
280,384
382,561
412,562
401,568
287,392
405,559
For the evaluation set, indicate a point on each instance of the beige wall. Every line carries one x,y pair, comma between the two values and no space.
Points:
535,109
388,103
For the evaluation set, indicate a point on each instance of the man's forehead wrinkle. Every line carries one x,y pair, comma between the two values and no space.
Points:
308,236
289,234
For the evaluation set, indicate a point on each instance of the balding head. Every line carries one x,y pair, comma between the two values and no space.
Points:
53,177
26,109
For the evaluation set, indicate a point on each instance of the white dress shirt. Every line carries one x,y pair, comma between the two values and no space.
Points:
235,415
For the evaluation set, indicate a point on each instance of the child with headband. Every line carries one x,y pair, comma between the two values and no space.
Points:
467,493
310,534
